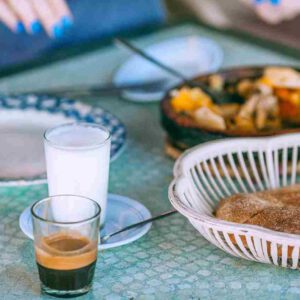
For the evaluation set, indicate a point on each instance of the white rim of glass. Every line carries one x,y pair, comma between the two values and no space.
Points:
89,219
48,140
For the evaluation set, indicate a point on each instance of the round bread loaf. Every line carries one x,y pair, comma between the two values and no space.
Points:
277,210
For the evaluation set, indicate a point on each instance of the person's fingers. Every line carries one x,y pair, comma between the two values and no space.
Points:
269,13
8,17
292,4
267,10
62,11
275,2
291,9
272,2
275,11
27,15
48,18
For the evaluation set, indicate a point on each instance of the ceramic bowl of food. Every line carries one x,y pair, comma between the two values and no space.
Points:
252,102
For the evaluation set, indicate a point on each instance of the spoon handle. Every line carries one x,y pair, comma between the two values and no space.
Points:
172,71
161,216
156,62
99,89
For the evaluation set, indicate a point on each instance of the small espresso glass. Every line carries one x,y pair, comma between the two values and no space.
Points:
66,243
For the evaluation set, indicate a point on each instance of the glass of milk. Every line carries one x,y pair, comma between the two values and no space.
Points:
77,159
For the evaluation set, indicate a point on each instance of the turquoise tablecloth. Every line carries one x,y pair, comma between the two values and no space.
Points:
172,261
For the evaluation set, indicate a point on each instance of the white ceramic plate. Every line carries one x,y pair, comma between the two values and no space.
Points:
191,55
121,212
23,120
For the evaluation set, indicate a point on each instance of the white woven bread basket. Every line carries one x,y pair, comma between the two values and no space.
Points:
215,170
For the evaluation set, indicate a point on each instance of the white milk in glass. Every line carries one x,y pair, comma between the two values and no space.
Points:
77,158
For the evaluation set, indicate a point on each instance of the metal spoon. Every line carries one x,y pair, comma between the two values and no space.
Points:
161,216
105,89
175,73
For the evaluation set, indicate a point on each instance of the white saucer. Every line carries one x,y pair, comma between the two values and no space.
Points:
121,212
191,55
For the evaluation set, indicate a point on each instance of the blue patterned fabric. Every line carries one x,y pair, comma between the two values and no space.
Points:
94,19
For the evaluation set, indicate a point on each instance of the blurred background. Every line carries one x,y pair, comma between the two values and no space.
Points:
93,21
240,16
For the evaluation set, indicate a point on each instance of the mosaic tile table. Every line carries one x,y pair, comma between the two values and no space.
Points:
172,261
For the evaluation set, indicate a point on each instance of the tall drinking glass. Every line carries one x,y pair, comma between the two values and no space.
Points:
66,247
77,158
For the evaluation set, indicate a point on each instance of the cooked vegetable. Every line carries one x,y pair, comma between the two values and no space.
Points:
207,119
216,82
269,100
189,99
229,110
245,87
283,77
267,107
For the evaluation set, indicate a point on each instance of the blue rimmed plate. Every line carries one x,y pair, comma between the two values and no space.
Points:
23,120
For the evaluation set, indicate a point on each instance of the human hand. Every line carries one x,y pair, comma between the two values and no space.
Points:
275,11
31,15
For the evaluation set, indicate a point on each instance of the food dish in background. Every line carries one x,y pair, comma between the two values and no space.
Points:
254,101
191,55
23,120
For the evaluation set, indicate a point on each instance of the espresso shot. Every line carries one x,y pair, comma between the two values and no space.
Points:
66,244
66,262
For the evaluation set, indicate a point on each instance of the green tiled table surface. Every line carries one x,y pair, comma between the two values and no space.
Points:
172,261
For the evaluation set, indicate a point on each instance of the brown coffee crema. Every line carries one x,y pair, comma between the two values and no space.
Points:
65,251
